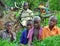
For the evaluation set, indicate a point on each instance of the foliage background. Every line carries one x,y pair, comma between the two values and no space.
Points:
54,6
32,3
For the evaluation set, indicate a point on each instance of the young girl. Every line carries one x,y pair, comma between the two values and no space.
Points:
23,38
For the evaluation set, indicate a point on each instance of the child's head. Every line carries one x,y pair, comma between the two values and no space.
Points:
29,24
36,21
52,21
8,26
25,6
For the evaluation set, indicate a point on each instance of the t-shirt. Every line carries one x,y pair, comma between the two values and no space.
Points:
35,34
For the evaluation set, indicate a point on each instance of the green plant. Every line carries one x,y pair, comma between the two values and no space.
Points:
7,43
54,4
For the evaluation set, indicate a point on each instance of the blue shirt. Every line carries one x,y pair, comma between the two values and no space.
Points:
23,38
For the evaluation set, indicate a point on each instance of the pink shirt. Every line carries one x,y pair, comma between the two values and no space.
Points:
30,34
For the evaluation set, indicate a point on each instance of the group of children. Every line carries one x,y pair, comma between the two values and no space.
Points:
35,32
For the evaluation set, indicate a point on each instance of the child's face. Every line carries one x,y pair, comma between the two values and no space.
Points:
29,26
9,28
36,23
25,7
52,22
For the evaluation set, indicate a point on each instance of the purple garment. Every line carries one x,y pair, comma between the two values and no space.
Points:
30,34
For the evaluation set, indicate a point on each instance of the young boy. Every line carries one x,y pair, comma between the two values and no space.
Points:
51,29
23,38
7,33
35,33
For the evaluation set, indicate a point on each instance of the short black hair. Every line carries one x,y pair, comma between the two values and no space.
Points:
7,23
26,3
53,17
29,21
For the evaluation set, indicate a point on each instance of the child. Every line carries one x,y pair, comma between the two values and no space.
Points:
23,38
35,33
51,29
